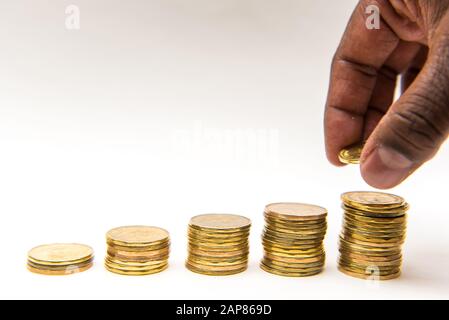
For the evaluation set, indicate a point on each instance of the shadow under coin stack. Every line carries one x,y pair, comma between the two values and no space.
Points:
293,239
374,229
218,244
60,258
137,250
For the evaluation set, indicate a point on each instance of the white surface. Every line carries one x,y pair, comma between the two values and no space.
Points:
149,114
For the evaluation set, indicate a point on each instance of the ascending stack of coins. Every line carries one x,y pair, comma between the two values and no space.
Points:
374,228
293,239
218,244
137,250
60,258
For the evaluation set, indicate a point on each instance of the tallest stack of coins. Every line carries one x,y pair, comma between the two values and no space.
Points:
374,228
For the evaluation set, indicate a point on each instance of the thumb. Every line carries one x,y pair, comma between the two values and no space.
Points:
415,126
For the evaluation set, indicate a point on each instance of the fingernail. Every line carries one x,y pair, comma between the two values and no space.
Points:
385,168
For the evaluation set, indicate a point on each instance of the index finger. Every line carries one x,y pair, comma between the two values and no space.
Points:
360,56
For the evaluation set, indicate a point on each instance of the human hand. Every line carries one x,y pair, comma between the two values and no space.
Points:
412,41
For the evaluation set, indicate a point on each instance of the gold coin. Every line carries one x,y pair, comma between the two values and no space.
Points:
212,247
216,239
365,263
293,226
365,212
351,154
377,211
139,254
217,268
71,269
217,235
293,257
369,247
289,246
294,236
294,252
368,257
223,222
289,274
287,228
219,246
295,211
369,228
293,267
127,266
139,250
217,254
371,242
216,242
60,254
134,263
287,220
137,236
139,259
372,235
372,245
294,260
376,220
215,273
220,233
295,232
210,264
379,228
60,267
136,273
217,260
291,242
293,272
369,251
369,276
366,229
370,199
342,260
373,269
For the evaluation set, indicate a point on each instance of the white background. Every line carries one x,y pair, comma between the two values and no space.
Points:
155,111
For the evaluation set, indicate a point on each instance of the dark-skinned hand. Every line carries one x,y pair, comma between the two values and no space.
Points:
412,42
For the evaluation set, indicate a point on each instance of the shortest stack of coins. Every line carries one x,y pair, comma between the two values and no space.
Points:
374,228
137,250
60,258
293,239
218,244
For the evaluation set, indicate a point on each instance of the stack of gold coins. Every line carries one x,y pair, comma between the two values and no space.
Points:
374,228
60,258
218,244
137,250
293,239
